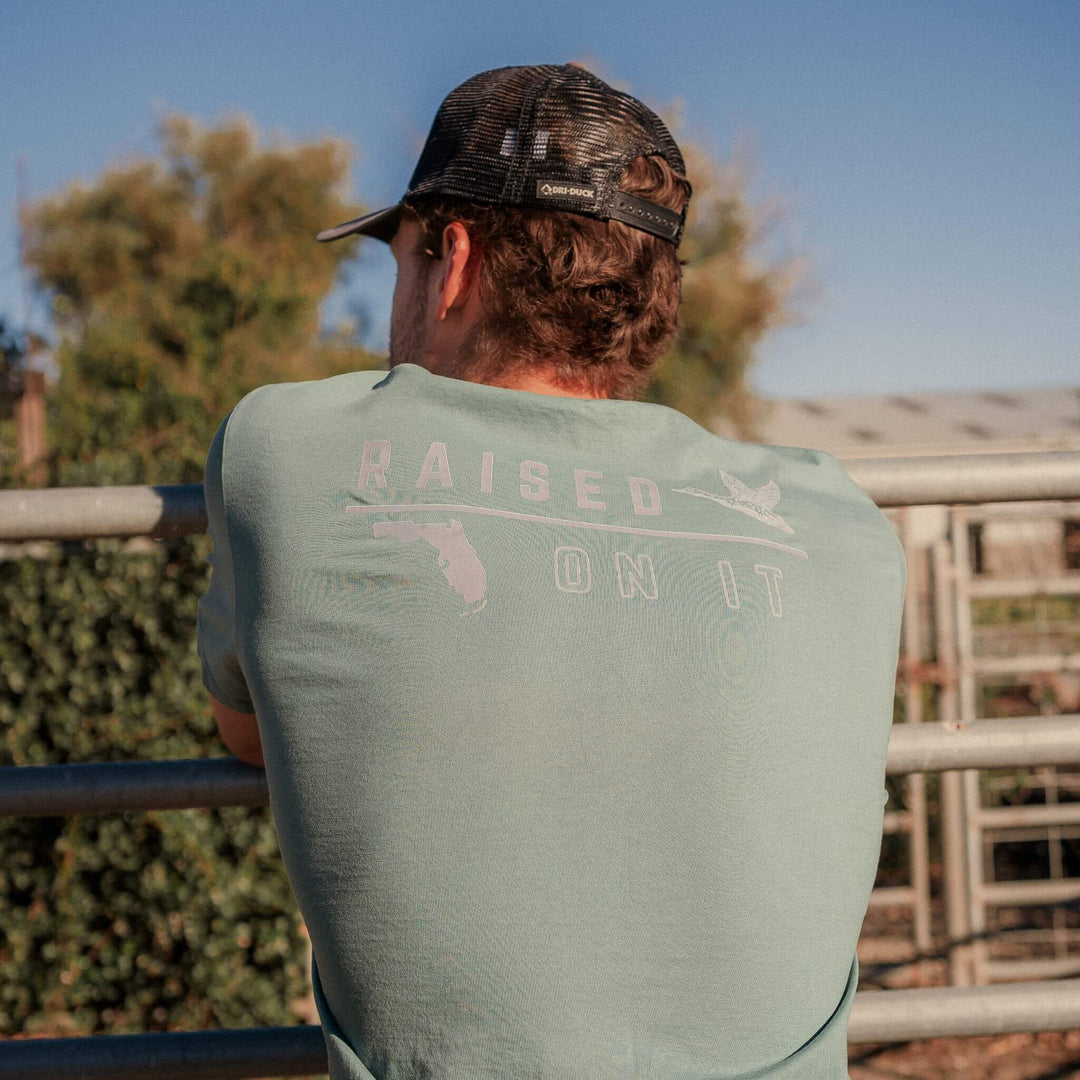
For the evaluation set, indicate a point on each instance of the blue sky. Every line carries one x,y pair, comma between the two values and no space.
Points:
927,155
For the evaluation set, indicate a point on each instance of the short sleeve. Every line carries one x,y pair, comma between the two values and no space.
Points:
216,625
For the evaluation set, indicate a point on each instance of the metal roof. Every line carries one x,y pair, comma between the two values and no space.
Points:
950,422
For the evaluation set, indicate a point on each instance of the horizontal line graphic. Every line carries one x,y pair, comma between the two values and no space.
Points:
398,508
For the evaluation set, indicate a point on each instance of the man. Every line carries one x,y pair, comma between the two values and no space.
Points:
574,715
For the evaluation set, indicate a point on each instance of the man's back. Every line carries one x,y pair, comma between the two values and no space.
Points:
577,770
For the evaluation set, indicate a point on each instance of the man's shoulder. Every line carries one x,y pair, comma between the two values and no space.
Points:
820,469
288,402
823,478
815,472
310,392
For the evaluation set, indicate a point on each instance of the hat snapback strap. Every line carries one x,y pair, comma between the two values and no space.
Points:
649,216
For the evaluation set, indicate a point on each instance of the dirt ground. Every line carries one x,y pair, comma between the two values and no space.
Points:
1048,1055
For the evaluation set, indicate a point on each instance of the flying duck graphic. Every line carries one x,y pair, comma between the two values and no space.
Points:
757,502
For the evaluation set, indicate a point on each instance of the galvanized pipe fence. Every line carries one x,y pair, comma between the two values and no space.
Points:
886,1016
959,742
163,510
110,787
945,648
1052,821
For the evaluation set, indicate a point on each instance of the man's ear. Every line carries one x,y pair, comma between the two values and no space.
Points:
460,259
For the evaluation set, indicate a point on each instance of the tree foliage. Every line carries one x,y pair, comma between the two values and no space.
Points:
731,299
178,284
11,353
137,921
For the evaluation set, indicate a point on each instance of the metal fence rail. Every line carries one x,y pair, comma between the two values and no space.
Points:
967,478
885,1016
173,509
899,1015
75,513
113,786
173,1055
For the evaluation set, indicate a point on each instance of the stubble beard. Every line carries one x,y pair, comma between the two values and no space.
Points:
408,338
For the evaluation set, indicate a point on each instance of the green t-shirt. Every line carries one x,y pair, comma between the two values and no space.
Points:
575,718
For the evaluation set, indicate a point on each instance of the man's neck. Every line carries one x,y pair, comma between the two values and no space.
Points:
537,384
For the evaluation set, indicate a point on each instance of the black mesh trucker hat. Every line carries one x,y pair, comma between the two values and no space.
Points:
550,136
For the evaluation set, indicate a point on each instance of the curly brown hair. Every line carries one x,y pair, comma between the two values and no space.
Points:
592,304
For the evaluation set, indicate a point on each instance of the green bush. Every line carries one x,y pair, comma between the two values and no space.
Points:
136,921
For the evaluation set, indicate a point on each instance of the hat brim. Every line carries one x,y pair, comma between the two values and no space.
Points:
382,225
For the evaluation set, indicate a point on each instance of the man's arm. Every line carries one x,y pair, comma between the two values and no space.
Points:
222,674
240,732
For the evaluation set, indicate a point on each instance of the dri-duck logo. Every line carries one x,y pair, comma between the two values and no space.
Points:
555,189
